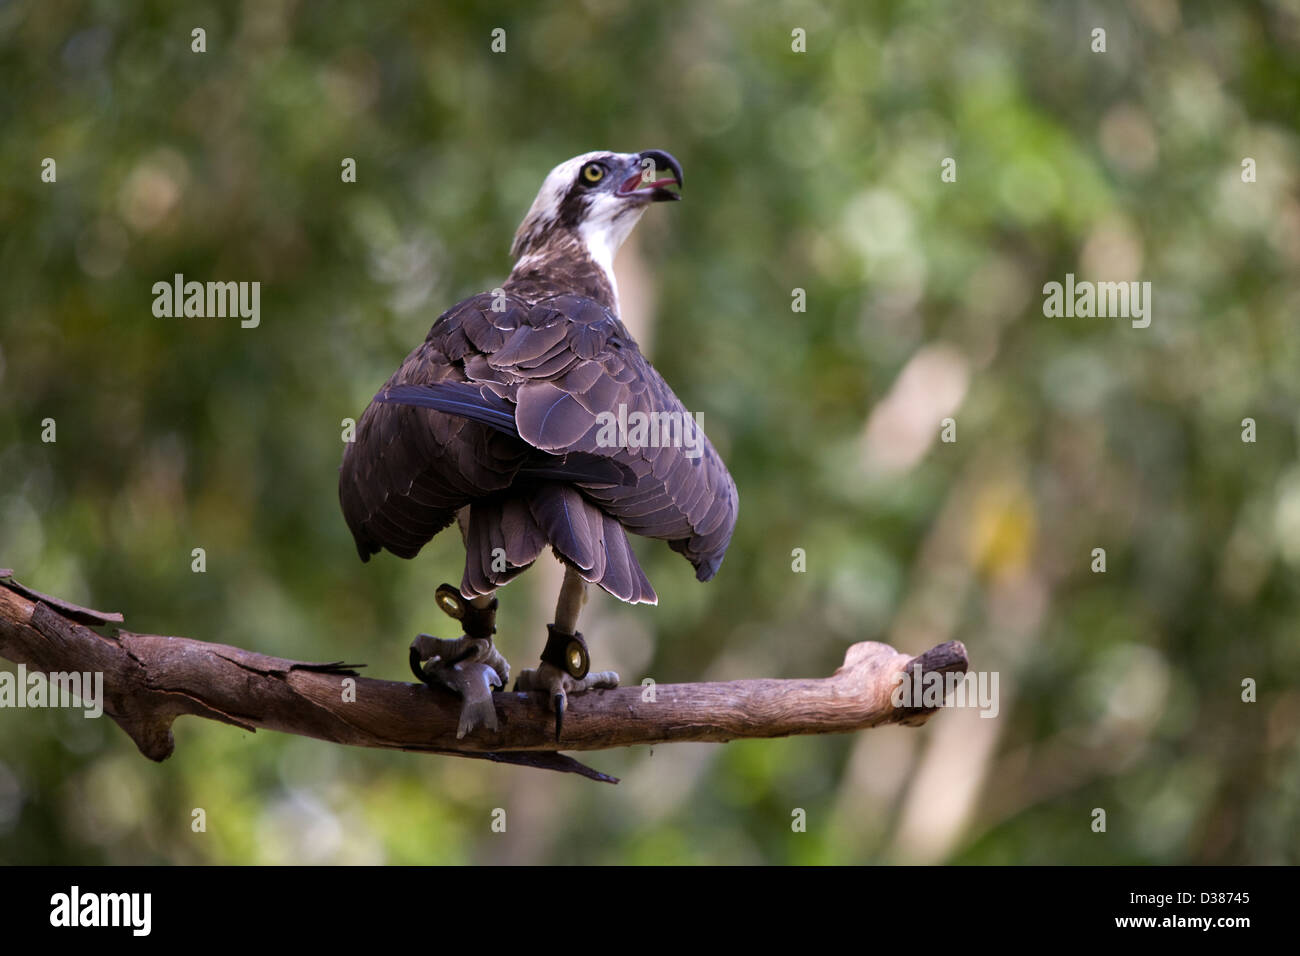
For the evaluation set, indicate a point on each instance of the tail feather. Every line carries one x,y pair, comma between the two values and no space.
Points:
623,576
572,525
500,545
593,542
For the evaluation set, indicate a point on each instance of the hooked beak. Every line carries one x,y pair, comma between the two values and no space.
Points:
644,180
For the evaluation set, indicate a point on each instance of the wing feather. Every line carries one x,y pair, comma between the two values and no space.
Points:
501,409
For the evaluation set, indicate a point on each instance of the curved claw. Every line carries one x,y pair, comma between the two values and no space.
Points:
466,666
556,684
560,702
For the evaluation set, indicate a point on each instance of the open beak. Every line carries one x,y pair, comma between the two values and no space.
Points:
647,178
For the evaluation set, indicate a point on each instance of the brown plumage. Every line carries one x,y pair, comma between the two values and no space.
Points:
498,409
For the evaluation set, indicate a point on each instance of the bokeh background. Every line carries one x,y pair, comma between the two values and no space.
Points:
817,170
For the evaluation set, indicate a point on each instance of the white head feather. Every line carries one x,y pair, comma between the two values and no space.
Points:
607,221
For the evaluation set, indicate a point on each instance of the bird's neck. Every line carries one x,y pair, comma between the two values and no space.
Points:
566,264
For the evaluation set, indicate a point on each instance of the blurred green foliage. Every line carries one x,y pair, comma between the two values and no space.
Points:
817,170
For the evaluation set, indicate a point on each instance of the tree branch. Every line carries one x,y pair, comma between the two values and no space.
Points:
150,680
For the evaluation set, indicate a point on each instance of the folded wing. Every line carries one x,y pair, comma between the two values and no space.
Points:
527,412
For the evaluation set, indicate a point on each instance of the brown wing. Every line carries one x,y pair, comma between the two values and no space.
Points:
556,365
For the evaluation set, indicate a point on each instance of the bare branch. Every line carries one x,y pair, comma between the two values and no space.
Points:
150,680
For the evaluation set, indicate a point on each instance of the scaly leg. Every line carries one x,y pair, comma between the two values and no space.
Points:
565,662
468,665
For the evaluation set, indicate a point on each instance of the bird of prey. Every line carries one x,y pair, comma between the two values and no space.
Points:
499,421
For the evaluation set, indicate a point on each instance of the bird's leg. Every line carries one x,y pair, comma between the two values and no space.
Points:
565,661
468,665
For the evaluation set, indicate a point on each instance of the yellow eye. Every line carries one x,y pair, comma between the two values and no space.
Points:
593,173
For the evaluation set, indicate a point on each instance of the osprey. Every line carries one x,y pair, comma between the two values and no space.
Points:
500,421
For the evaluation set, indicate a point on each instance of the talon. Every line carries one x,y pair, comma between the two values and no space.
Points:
560,702
469,667
556,685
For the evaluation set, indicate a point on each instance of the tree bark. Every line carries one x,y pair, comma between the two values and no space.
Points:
150,680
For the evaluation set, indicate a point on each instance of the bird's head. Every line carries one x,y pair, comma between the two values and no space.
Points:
596,199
